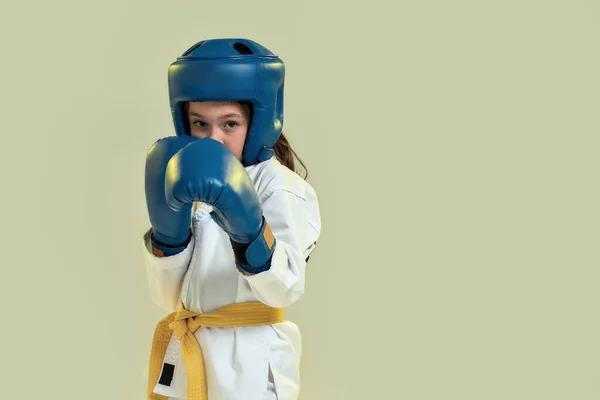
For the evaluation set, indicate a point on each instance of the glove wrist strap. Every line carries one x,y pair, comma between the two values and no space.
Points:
255,257
163,250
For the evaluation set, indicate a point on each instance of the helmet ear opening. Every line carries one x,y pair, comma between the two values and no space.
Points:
242,48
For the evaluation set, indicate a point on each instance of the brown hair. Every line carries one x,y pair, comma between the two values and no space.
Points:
282,148
285,154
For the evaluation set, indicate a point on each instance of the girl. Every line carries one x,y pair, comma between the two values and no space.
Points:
233,226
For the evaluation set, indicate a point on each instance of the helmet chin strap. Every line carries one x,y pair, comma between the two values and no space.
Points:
265,154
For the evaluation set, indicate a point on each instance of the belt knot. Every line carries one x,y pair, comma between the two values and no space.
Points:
185,321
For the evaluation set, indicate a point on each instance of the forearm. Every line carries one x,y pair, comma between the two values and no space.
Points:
283,283
165,274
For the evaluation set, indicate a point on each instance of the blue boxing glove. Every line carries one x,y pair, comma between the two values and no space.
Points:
170,229
206,171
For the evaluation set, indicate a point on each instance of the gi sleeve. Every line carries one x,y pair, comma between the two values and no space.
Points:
296,225
165,274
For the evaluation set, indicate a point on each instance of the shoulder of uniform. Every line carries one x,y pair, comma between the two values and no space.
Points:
270,176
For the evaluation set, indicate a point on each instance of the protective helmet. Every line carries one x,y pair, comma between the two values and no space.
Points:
232,70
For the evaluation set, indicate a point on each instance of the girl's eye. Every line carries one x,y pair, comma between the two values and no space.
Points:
202,124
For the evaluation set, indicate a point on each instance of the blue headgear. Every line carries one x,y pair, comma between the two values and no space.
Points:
232,70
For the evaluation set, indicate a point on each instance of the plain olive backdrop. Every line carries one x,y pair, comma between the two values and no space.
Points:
453,146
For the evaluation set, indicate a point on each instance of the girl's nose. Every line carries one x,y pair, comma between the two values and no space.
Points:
216,134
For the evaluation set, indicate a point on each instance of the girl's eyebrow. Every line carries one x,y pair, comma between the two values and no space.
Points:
220,117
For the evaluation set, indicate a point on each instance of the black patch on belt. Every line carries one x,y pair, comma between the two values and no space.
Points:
166,376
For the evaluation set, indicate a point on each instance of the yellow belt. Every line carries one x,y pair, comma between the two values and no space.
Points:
184,323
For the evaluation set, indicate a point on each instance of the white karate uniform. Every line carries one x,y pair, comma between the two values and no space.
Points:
242,363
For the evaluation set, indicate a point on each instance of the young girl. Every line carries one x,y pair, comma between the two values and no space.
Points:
233,226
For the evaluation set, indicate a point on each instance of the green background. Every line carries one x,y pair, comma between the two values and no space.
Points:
453,147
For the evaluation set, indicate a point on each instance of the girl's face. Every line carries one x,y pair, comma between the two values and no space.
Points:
224,122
